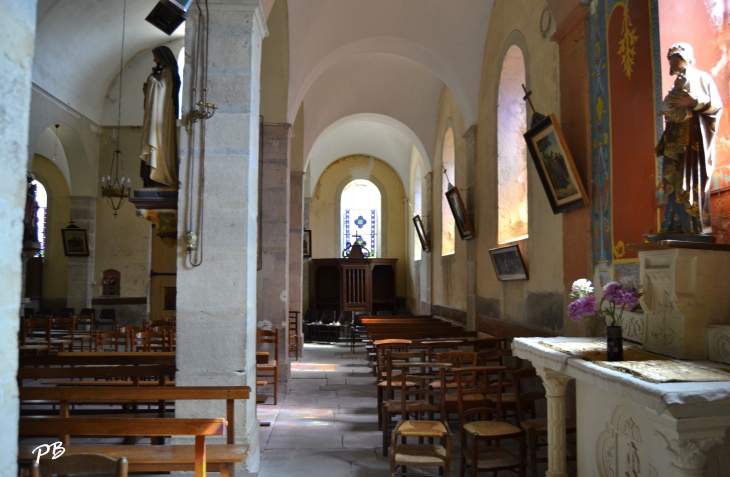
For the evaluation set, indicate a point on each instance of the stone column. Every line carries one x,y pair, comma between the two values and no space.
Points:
81,269
305,261
273,278
18,20
555,384
471,282
216,301
296,216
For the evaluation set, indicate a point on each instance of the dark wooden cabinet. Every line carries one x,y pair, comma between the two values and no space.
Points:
350,284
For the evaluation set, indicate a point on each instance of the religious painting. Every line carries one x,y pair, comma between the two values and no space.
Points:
453,197
508,263
307,245
555,166
74,242
421,231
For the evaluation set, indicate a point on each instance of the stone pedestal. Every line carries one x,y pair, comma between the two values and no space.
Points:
685,289
216,301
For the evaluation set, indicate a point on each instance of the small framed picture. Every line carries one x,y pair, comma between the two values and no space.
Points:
555,166
460,216
307,246
508,263
421,231
74,242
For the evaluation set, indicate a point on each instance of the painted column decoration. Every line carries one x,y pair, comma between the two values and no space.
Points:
555,384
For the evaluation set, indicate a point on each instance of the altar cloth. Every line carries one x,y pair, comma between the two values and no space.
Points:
642,364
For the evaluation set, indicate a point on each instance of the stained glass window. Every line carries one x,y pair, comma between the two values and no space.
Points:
360,207
41,199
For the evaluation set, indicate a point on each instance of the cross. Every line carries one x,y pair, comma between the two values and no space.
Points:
527,97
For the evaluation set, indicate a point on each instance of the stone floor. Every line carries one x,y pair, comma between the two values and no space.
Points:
328,425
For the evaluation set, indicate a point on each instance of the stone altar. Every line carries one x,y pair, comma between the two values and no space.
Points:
627,426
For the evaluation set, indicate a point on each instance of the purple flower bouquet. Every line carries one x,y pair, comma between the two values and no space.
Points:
617,296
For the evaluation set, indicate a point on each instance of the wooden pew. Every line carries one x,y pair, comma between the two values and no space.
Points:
222,458
141,458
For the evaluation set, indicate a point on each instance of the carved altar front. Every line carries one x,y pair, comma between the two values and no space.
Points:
627,426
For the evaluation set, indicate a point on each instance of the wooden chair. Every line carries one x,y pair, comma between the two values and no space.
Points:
386,387
294,334
108,316
42,325
68,325
271,368
148,341
68,312
422,402
80,464
536,427
111,341
481,427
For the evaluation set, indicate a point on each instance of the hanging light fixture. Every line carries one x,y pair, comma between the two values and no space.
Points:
113,188
55,145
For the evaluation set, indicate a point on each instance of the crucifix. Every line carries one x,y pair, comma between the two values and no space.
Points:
536,117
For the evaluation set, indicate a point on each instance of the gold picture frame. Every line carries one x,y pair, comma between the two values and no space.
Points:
75,243
555,166
422,235
453,197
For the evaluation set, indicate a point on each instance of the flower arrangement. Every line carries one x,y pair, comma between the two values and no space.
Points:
617,296
110,280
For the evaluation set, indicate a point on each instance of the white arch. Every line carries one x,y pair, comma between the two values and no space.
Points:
371,134
383,44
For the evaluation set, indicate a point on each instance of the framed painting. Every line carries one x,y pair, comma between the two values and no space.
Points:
508,263
307,245
460,216
74,242
555,166
421,231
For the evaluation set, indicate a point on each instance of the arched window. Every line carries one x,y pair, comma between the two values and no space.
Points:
41,198
448,226
418,210
180,69
360,213
511,149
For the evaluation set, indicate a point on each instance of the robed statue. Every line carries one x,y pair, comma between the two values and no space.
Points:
692,113
159,135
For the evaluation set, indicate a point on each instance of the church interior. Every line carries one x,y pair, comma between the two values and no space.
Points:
235,194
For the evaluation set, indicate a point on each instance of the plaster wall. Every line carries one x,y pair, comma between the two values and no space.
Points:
418,270
55,262
537,302
275,65
122,242
324,214
449,271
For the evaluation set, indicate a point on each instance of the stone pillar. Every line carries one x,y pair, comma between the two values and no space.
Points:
555,384
296,215
17,20
306,292
216,301
471,281
273,278
81,269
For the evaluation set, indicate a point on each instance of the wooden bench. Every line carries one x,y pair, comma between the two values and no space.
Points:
144,457
141,458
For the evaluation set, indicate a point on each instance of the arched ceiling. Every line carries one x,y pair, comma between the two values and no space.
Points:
367,134
78,47
383,58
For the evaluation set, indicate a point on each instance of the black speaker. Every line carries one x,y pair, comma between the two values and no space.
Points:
169,14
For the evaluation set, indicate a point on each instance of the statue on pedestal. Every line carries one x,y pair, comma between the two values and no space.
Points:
692,113
159,135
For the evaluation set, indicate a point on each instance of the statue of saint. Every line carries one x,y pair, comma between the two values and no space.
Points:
692,113
159,135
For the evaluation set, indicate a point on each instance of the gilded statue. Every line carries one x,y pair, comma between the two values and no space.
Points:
692,112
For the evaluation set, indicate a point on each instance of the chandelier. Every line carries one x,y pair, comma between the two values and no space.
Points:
113,188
